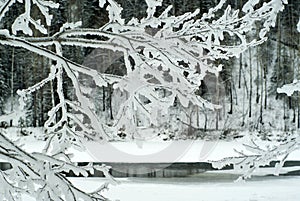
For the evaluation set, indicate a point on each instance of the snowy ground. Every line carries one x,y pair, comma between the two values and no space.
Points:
202,188
281,189
151,151
208,186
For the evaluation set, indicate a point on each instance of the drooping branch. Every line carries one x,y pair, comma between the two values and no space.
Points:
42,176
255,157
70,68
166,53
177,51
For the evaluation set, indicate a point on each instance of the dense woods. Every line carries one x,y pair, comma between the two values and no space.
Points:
246,87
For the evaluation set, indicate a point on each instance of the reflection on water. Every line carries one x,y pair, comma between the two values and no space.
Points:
203,178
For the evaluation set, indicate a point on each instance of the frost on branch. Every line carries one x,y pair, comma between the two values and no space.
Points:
257,156
42,177
289,89
114,11
174,53
166,56
23,22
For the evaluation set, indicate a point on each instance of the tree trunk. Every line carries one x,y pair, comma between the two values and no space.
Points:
298,103
103,98
278,53
231,99
110,87
261,91
12,83
240,70
250,91
42,120
217,102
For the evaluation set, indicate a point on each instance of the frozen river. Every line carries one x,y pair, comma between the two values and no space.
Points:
201,187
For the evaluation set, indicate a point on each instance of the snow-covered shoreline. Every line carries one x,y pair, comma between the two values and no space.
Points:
193,189
151,151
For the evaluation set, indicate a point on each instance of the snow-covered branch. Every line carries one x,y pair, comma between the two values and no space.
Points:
289,89
71,69
166,57
41,176
257,156
173,53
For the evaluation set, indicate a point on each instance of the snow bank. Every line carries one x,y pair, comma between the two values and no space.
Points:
147,151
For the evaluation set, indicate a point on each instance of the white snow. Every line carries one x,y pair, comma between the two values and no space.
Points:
208,186
195,189
187,189
289,89
146,151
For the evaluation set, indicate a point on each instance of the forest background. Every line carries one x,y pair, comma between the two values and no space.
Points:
246,88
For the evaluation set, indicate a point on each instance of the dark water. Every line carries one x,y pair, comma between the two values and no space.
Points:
204,178
191,171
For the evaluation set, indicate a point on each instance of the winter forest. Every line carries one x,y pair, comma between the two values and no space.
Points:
246,87
89,88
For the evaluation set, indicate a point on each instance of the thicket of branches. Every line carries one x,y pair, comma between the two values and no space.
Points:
166,57
253,78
